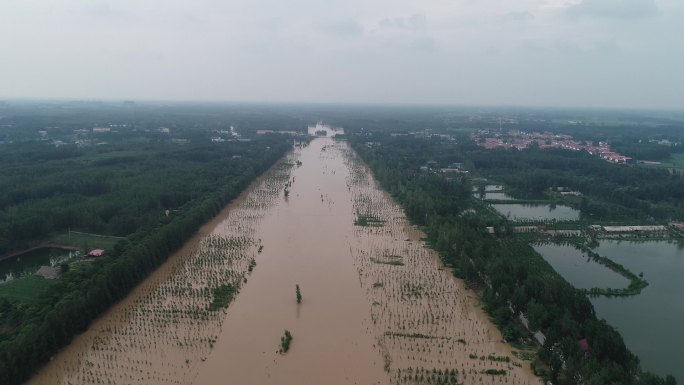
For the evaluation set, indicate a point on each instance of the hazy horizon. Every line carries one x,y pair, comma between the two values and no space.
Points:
616,54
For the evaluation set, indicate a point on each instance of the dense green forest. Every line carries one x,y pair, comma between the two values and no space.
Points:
512,278
115,189
123,187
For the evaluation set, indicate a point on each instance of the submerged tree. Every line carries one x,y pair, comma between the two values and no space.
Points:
285,341
299,294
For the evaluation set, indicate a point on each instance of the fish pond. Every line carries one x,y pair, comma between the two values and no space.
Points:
650,322
29,262
516,211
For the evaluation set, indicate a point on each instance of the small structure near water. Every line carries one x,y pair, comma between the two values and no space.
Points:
634,229
95,253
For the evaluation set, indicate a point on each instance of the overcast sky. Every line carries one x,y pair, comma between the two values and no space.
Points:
575,53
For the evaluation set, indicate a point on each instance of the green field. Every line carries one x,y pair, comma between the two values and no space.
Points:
675,161
86,242
25,288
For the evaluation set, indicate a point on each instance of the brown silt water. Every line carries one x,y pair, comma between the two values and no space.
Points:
377,307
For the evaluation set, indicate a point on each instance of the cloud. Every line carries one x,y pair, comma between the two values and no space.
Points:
343,28
518,16
414,22
613,9
103,10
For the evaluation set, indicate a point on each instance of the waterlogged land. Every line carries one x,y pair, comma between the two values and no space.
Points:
168,325
376,308
429,327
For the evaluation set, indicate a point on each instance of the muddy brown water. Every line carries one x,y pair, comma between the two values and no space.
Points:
377,307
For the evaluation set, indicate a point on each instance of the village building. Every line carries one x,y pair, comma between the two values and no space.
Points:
95,253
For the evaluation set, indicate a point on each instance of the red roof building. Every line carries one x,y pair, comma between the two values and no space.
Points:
96,253
584,345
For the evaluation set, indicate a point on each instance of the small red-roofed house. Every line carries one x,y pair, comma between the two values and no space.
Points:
584,345
96,253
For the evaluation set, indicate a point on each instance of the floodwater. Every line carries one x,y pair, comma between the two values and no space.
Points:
28,263
377,307
537,212
578,269
651,321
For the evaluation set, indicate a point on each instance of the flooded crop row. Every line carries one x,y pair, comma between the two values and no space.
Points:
429,327
163,330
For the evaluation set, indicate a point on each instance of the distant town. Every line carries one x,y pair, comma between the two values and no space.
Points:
521,140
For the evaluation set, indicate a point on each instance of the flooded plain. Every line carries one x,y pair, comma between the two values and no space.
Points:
377,307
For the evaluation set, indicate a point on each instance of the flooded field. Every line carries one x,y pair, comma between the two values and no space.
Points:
377,308
428,326
537,212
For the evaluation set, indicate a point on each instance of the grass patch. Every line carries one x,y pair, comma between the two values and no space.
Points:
393,262
675,160
495,372
368,220
87,242
413,335
25,288
222,296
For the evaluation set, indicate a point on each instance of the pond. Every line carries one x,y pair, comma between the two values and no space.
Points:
578,269
650,322
501,196
28,263
489,188
537,212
